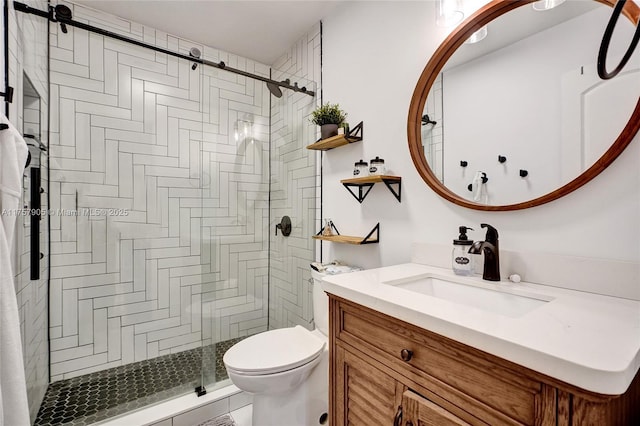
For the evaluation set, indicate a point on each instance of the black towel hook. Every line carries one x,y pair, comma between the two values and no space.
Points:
606,40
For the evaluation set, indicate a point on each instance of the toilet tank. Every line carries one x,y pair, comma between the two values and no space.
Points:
320,303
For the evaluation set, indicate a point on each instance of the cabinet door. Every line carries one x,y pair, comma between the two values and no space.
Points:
419,411
364,394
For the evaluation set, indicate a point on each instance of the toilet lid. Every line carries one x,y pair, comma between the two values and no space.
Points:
273,351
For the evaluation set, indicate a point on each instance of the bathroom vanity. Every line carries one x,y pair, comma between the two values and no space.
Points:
399,357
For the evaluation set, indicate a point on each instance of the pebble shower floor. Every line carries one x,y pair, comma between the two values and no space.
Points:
87,399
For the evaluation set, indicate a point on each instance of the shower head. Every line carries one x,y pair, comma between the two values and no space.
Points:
63,13
194,52
274,89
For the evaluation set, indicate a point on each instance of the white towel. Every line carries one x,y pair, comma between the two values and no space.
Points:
14,408
479,188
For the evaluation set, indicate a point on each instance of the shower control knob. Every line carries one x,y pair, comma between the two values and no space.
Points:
284,226
406,355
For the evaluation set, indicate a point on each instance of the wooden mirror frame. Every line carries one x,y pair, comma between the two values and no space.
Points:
482,17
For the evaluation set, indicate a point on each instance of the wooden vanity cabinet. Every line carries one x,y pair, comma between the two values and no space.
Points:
384,371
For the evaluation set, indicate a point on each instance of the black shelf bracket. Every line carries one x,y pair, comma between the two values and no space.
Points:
361,193
355,134
395,193
368,239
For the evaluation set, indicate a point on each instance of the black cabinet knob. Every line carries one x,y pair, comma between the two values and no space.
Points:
406,355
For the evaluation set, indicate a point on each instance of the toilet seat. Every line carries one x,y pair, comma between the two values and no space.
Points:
274,351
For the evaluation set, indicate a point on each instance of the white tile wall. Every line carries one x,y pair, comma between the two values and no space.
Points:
28,55
294,186
142,132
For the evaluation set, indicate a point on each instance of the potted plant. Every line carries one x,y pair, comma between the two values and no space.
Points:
328,117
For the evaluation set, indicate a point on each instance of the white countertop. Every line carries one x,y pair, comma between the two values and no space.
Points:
584,339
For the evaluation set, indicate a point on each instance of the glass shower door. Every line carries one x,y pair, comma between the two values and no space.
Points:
255,169
294,193
125,330
235,214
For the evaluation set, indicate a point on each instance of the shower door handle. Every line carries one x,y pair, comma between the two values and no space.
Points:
284,226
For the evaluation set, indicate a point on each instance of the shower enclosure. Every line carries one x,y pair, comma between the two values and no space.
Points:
167,181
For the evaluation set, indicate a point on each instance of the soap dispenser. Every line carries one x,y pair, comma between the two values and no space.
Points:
461,260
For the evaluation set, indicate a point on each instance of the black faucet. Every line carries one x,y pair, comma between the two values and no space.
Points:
491,252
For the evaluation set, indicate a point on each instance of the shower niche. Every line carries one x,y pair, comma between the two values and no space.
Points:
31,113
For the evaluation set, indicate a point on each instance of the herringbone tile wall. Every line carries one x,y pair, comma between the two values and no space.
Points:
170,245
294,186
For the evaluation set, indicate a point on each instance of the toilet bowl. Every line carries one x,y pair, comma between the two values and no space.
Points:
274,361
286,370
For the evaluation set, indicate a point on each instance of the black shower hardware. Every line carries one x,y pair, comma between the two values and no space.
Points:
8,94
35,223
195,52
35,184
60,15
274,89
502,159
523,173
426,121
606,40
485,179
284,226
464,164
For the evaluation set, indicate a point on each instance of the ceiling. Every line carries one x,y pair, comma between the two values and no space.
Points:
259,30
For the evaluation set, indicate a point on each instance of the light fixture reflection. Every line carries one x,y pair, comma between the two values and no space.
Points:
243,131
547,4
448,13
477,36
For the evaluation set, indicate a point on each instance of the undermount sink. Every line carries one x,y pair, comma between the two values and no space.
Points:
466,293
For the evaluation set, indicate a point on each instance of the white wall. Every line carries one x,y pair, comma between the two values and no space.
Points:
373,54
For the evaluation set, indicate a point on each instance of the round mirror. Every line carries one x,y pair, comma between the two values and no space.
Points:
521,118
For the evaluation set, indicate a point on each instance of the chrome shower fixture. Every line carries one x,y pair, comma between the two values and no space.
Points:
195,53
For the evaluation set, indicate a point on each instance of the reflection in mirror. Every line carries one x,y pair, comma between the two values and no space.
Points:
532,96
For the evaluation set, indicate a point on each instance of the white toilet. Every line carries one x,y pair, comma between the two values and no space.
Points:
286,370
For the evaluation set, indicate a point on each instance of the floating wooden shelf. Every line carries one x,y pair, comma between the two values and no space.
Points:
372,237
367,182
354,135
